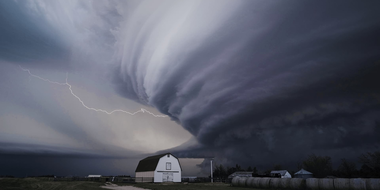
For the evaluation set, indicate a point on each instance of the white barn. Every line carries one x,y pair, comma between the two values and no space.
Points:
159,168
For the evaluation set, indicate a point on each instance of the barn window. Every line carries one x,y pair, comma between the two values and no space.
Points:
168,166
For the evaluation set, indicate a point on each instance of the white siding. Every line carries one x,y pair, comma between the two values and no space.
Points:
286,175
161,168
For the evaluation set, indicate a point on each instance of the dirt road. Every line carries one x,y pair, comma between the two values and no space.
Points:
116,187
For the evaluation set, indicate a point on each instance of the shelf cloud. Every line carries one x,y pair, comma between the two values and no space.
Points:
243,81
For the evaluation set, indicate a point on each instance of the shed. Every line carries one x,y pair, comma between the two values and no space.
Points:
159,168
303,174
94,176
280,173
240,174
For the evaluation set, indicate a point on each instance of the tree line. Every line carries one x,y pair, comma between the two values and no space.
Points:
320,166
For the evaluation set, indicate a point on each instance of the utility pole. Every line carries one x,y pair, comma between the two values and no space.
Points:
212,180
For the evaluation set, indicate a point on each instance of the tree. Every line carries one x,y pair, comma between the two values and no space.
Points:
219,171
365,171
238,168
318,165
254,170
216,172
347,169
371,164
231,170
222,172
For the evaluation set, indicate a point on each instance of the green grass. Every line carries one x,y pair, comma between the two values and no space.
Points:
44,183
34,183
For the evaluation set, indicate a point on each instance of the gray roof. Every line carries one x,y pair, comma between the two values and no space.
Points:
282,172
150,163
302,171
241,174
94,175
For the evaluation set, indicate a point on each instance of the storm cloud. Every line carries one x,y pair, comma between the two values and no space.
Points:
243,81
259,79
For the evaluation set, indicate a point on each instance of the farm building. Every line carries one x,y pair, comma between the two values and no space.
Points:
240,174
280,173
159,168
303,174
94,176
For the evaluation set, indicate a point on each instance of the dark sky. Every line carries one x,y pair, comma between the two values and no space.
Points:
246,82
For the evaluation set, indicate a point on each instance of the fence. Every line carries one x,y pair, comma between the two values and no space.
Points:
99,179
137,179
196,179
144,179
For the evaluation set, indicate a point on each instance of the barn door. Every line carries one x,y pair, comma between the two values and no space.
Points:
167,177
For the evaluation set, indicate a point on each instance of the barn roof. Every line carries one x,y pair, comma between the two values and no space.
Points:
94,175
302,171
281,172
241,174
150,163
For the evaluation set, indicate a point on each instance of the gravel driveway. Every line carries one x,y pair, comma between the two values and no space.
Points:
116,187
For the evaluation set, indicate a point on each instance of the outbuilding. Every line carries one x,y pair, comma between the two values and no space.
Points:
280,173
159,168
240,174
94,176
303,174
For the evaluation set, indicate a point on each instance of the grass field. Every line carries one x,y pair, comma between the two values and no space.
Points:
42,184
190,186
33,183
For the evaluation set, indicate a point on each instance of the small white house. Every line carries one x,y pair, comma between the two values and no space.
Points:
280,173
159,168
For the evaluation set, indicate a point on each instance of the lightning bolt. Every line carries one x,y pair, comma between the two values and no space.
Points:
83,104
